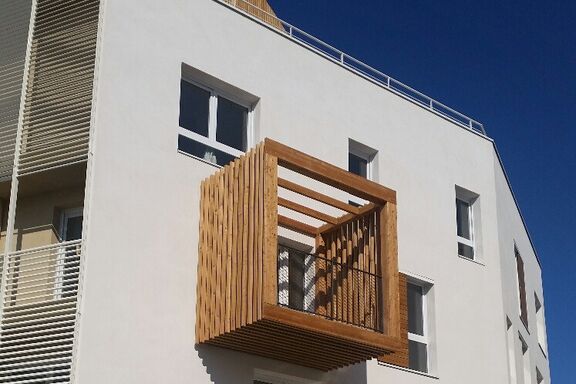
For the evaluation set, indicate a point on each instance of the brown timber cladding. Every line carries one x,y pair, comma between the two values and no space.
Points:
259,9
357,316
400,357
57,110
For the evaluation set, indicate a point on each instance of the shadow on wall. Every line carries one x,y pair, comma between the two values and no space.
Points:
230,367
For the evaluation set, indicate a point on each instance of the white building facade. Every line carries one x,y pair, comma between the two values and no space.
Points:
113,113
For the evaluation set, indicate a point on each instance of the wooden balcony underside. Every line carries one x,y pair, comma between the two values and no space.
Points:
356,312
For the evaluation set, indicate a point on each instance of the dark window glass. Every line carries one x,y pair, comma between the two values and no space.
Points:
296,272
231,124
465,251
73,228
463,218
417,356
194,107
415,306
357,165
202,151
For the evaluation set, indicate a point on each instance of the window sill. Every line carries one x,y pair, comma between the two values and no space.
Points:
429,375
472,260
199,159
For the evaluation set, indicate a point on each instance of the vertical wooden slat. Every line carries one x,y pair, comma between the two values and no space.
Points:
234,316
400,357
320,281
245,270
221,264
389,260
200,295
211,264
270,229
260,226
250,212
228,202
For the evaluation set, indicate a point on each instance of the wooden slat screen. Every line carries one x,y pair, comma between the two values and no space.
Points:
14,25
58,102
230,268
348,278
400,357
259,9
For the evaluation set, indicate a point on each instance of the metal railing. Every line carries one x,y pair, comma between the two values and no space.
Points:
329,288
39,314
355,65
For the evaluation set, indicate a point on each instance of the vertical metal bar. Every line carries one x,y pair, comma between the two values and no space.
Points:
342,57
290,31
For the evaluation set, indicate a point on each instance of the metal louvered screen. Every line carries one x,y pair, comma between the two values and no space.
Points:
14,25
39,314
58,103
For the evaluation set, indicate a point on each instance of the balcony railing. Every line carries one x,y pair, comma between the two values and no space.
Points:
341,58
335,305
38,314
344,288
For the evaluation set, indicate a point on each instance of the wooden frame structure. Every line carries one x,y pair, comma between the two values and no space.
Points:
237,292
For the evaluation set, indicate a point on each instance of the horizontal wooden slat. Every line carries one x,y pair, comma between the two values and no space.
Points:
316,196
306,210
297,226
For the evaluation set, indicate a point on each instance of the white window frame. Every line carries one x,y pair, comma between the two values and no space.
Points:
61,258
470,242
213,119
280,378
423,339
472,201
369,155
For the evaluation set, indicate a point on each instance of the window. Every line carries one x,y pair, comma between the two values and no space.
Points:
466,212
418,343
67,263
511,351
361,162
520,278
215,126
539,377
540,325
296,275
526,361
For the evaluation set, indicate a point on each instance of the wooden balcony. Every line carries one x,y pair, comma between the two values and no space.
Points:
333,304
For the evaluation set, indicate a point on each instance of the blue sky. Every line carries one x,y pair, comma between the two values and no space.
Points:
510,65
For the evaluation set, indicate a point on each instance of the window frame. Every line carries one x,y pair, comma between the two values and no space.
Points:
425,339
367,154
471,199
211,140
521,288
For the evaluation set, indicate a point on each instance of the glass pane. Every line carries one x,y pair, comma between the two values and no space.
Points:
296,281
73,228
417,356
231,124
415,314
465,251
463,218
194,108
204,152
357,165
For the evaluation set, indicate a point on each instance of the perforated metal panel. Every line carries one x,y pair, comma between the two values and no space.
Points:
59,90
14,26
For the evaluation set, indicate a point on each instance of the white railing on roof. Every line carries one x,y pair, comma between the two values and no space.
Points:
355,65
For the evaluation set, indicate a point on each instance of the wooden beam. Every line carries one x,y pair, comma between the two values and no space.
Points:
270,272
344,219
297,226
317,196
342,331
329,174
307,211
389,270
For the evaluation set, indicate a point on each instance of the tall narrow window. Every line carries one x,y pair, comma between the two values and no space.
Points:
540,325
67,263
526,361
522,306
215,127
511,351
361,162
417,328
466,212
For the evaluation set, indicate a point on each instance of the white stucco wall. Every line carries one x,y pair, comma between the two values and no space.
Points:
138,304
